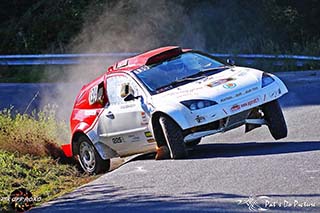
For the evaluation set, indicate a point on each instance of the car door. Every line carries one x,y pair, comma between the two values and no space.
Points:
123,125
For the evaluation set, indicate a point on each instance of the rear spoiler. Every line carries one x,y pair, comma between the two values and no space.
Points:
164,56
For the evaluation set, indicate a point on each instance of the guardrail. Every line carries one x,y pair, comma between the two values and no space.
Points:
69,59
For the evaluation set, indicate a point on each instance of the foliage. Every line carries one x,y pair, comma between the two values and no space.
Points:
43,176
40,26
220,26
262,26
37,134
30,156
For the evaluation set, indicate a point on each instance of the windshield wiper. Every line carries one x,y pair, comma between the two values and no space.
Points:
212,69
188,78
191,78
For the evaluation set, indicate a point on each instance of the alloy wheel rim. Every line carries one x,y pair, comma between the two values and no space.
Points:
87,156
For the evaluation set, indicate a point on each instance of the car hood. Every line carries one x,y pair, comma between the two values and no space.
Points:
220,87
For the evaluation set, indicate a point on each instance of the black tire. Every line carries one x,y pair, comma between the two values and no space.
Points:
174,138
89,159
193,143
275,119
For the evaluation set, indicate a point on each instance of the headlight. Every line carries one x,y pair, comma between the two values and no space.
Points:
198,104
266,80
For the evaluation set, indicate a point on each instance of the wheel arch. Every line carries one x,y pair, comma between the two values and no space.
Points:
75,140
156,128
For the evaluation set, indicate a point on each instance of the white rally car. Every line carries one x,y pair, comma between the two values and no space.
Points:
168,99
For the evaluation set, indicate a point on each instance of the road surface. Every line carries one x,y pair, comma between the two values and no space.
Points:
230,172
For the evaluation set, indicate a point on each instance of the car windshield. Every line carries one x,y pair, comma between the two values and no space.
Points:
177,71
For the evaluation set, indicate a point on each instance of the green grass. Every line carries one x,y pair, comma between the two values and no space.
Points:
30,156
36,134
45,177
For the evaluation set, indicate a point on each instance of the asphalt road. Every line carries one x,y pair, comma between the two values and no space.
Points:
224,173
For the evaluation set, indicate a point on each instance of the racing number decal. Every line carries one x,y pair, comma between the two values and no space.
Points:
117,140
93,95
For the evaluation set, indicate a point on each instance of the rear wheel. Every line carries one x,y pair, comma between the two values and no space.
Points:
89,158
174,138
275,119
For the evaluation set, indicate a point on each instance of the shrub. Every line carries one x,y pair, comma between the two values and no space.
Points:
38,134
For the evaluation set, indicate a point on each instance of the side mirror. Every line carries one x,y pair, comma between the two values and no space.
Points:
231,62
129,97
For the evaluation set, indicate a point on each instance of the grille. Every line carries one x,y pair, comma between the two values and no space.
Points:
236,120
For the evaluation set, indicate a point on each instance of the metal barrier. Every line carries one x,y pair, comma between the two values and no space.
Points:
69,59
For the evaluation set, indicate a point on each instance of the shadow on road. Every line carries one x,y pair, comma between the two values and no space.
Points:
104,197
251,149
107,198
216,150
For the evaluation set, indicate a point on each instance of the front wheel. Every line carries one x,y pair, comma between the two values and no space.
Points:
174,138
89,158
275,119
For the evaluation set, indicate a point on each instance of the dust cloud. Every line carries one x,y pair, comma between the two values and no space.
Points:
125,26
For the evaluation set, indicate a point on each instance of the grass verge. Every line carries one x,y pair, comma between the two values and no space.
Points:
30,157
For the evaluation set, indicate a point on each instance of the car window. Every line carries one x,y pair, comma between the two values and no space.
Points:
157,76
114,88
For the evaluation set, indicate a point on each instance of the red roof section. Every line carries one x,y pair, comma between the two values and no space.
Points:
138,60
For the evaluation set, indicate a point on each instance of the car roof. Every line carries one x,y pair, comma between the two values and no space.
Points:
137,61
130,64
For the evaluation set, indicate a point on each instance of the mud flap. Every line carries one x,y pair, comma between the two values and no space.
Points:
253,115
250,127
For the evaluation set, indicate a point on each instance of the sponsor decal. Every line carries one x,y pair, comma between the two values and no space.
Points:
189,92
200,119
225,111
148,134
151,140
229,85
251,90
93,95
91,112
117,140
144,118
126,106
141,69
122,63
237,107
239,94
242,74
184,92
275,93
226,98
134,138
219,82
